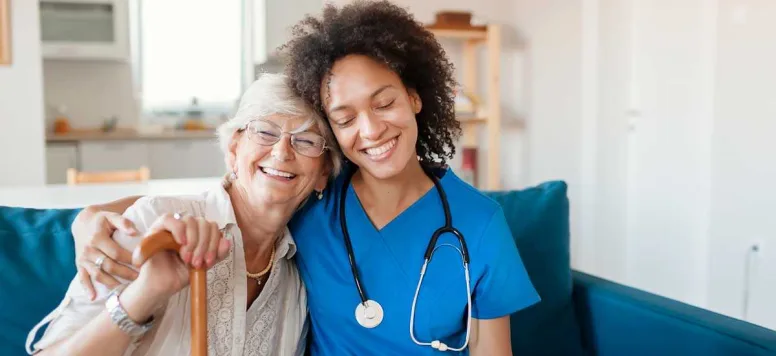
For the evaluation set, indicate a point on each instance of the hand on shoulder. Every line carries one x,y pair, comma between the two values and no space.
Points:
97,254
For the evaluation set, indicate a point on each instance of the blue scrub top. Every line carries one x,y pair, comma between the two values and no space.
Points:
389,262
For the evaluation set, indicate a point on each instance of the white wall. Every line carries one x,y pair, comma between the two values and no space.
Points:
743,193
282,15
21,105
91,90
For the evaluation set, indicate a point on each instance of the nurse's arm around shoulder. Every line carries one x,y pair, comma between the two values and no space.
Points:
501,289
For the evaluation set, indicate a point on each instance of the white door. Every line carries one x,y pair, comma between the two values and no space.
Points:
669,147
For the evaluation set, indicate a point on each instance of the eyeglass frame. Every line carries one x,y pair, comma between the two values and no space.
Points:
292,133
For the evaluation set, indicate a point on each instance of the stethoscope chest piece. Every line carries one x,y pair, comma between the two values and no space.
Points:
369,314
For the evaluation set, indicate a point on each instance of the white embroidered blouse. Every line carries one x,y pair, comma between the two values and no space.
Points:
274,324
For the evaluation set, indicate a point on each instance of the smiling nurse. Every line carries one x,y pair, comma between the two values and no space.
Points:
386,88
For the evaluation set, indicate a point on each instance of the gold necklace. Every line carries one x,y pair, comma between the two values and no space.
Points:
265,270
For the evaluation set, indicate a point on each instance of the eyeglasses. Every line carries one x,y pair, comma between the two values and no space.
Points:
268,133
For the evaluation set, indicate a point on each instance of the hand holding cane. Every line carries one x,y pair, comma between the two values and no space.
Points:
163,240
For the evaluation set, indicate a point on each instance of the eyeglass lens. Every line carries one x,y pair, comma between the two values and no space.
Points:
305,143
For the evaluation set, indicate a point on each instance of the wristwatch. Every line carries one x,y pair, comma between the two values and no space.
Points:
119,316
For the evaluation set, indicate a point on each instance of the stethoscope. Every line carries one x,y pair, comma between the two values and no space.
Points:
369,313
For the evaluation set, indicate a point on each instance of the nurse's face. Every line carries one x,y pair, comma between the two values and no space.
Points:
372,115
278,172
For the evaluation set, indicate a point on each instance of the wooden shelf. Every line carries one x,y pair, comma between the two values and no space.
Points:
474,34
490,37
472,120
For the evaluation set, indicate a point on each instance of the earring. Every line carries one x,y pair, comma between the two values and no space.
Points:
320,194
232,176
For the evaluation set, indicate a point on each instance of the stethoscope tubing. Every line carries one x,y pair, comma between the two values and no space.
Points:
468,309
447,228
348,244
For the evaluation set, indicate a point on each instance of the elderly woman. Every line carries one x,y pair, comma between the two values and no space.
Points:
276,152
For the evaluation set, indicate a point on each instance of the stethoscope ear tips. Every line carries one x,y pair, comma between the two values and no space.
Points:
437,345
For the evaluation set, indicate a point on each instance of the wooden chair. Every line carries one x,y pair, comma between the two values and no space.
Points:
75,177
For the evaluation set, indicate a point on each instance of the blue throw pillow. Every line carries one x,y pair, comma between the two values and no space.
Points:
36,260
539,220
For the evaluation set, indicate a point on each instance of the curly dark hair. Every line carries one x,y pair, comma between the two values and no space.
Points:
389,34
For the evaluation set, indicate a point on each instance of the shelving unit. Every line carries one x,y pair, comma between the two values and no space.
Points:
490,37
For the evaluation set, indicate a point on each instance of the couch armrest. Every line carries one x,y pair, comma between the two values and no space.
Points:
619,320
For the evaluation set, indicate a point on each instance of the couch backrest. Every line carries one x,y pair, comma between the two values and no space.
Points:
36,260
38,253
539,220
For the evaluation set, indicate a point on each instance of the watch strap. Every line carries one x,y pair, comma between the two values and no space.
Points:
118,315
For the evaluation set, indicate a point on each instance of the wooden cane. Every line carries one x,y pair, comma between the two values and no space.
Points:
163,240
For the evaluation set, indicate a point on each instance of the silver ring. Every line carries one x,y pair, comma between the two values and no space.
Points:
98,262
177,216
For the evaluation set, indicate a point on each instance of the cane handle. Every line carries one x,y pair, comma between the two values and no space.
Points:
163,240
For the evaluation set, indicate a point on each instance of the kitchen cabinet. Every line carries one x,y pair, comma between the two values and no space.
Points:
185,159
59,158
112,155
85,29
171,158
206,159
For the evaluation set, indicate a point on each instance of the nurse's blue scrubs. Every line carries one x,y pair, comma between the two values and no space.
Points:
389,262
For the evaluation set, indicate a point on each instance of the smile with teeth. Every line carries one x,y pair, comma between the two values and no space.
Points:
277,173
376,151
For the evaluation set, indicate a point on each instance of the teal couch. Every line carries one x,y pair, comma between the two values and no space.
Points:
579,314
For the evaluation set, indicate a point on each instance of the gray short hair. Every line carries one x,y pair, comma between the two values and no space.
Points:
271,95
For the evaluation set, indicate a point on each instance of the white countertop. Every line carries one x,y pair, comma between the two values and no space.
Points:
64,196
130,135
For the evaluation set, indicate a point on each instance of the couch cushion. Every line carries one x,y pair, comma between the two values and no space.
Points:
539,220
621,320
37,262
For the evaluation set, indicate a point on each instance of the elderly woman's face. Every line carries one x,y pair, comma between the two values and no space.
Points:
284,171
